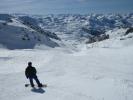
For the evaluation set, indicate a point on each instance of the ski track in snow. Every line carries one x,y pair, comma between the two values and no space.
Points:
93,74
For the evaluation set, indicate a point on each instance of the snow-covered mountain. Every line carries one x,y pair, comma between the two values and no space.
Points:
27,31
16,35
75,25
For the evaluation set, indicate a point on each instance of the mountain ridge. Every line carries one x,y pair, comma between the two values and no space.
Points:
65,28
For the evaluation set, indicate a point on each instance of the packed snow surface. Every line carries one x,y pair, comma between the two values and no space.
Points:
90,74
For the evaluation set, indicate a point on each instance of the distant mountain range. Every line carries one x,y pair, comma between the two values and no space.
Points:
19,31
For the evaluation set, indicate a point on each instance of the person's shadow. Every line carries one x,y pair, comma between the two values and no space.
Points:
38,90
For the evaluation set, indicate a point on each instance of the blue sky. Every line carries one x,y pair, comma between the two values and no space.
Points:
65,6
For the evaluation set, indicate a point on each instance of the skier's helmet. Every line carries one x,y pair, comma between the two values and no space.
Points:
29,63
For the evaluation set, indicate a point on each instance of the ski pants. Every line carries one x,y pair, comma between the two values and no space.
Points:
36,79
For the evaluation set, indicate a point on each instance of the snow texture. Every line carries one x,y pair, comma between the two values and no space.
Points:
73,70
91,74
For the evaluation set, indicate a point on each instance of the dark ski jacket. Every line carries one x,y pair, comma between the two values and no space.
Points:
30,72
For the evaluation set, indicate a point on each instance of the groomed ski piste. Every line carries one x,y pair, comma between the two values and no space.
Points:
93,73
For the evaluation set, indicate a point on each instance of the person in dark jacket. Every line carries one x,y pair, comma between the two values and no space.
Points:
30,73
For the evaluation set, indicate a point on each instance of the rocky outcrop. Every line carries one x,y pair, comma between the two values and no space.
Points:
32,23
130,30
98,38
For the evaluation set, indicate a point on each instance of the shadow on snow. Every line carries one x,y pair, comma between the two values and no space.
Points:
38,90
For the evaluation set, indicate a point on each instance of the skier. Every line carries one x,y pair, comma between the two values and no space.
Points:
30,72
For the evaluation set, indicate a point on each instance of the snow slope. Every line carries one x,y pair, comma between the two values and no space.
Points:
91,74
117,39
16,35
